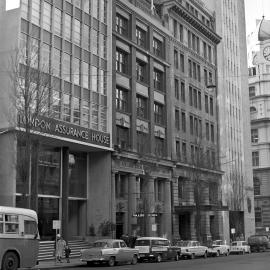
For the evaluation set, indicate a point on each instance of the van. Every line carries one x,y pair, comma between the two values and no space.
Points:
156,249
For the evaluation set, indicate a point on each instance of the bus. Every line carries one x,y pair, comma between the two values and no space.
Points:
19,238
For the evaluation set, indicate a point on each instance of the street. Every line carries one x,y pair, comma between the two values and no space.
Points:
254,261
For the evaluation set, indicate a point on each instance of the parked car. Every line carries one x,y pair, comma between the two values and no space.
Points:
156,248
110,251
240,247
192,249
258,243
221,247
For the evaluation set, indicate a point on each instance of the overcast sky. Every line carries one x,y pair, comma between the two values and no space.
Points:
255,9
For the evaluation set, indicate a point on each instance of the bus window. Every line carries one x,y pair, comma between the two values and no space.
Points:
30,227
11,224
1,223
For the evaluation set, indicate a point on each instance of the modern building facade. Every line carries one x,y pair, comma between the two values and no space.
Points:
259,82
72,39
235,148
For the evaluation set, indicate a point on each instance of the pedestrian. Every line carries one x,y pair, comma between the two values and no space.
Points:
60,248
67,252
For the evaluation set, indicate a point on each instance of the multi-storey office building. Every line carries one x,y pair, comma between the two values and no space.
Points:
196,175
259,82
72,39
164,113
141,164
233,104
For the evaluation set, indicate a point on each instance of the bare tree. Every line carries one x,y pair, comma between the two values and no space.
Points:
31,98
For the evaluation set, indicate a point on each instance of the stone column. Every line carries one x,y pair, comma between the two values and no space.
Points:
193,226
132,202
113,201
150,199
167,215
205,223
65,189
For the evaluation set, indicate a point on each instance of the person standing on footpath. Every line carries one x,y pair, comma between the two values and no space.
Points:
67,253
60,248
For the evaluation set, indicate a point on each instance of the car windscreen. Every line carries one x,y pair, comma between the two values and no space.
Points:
142,243
183,243
102,244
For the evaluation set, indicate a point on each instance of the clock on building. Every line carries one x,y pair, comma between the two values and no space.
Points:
266,53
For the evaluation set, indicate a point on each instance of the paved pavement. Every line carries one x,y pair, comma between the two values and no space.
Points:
52,264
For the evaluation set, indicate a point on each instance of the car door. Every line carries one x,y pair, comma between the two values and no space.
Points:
125,251
117,251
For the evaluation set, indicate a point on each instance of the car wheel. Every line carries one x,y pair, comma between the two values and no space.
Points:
111,261
159,258
89,263
134,260
192,256
177,257
10,261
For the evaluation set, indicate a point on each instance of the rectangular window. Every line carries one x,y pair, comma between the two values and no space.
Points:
175,28
141,104
66,108
11,224
94,116
159,147
199,100
68,29
252,92
207,131
190,96
102,46
122,137
177,149
46,58
142,142
140,37
121,25
95,8
184,151
57,21
77,32
94,42
85,78
183,120
211,106
56,62
177,119
258,216
157,47
56,103
158,79
209,53
121,100
257,186
77,71
212,133
189,68
191,125
183,92
121,61
176,61
176,89
94,79
102,82
182,62
85,113
76,111
181,33
86,37
205,77
103,11
255,159
67,67
36,12
204,50
141,71
24,9
195,103
158,113
254,135
206,104
47,16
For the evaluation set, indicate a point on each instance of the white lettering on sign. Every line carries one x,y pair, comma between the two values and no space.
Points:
100,138
79,133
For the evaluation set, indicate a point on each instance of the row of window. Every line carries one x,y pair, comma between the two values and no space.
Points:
193,41
123,140
123,27
197,155
72,29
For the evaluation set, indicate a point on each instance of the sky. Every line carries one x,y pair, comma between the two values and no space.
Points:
255,9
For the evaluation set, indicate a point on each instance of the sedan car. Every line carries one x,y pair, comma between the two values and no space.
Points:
192,249
221,247
240,247
110,251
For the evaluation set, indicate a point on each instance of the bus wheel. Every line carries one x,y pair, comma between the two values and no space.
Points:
10,261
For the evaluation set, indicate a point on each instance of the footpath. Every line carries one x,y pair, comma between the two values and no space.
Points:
52,264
